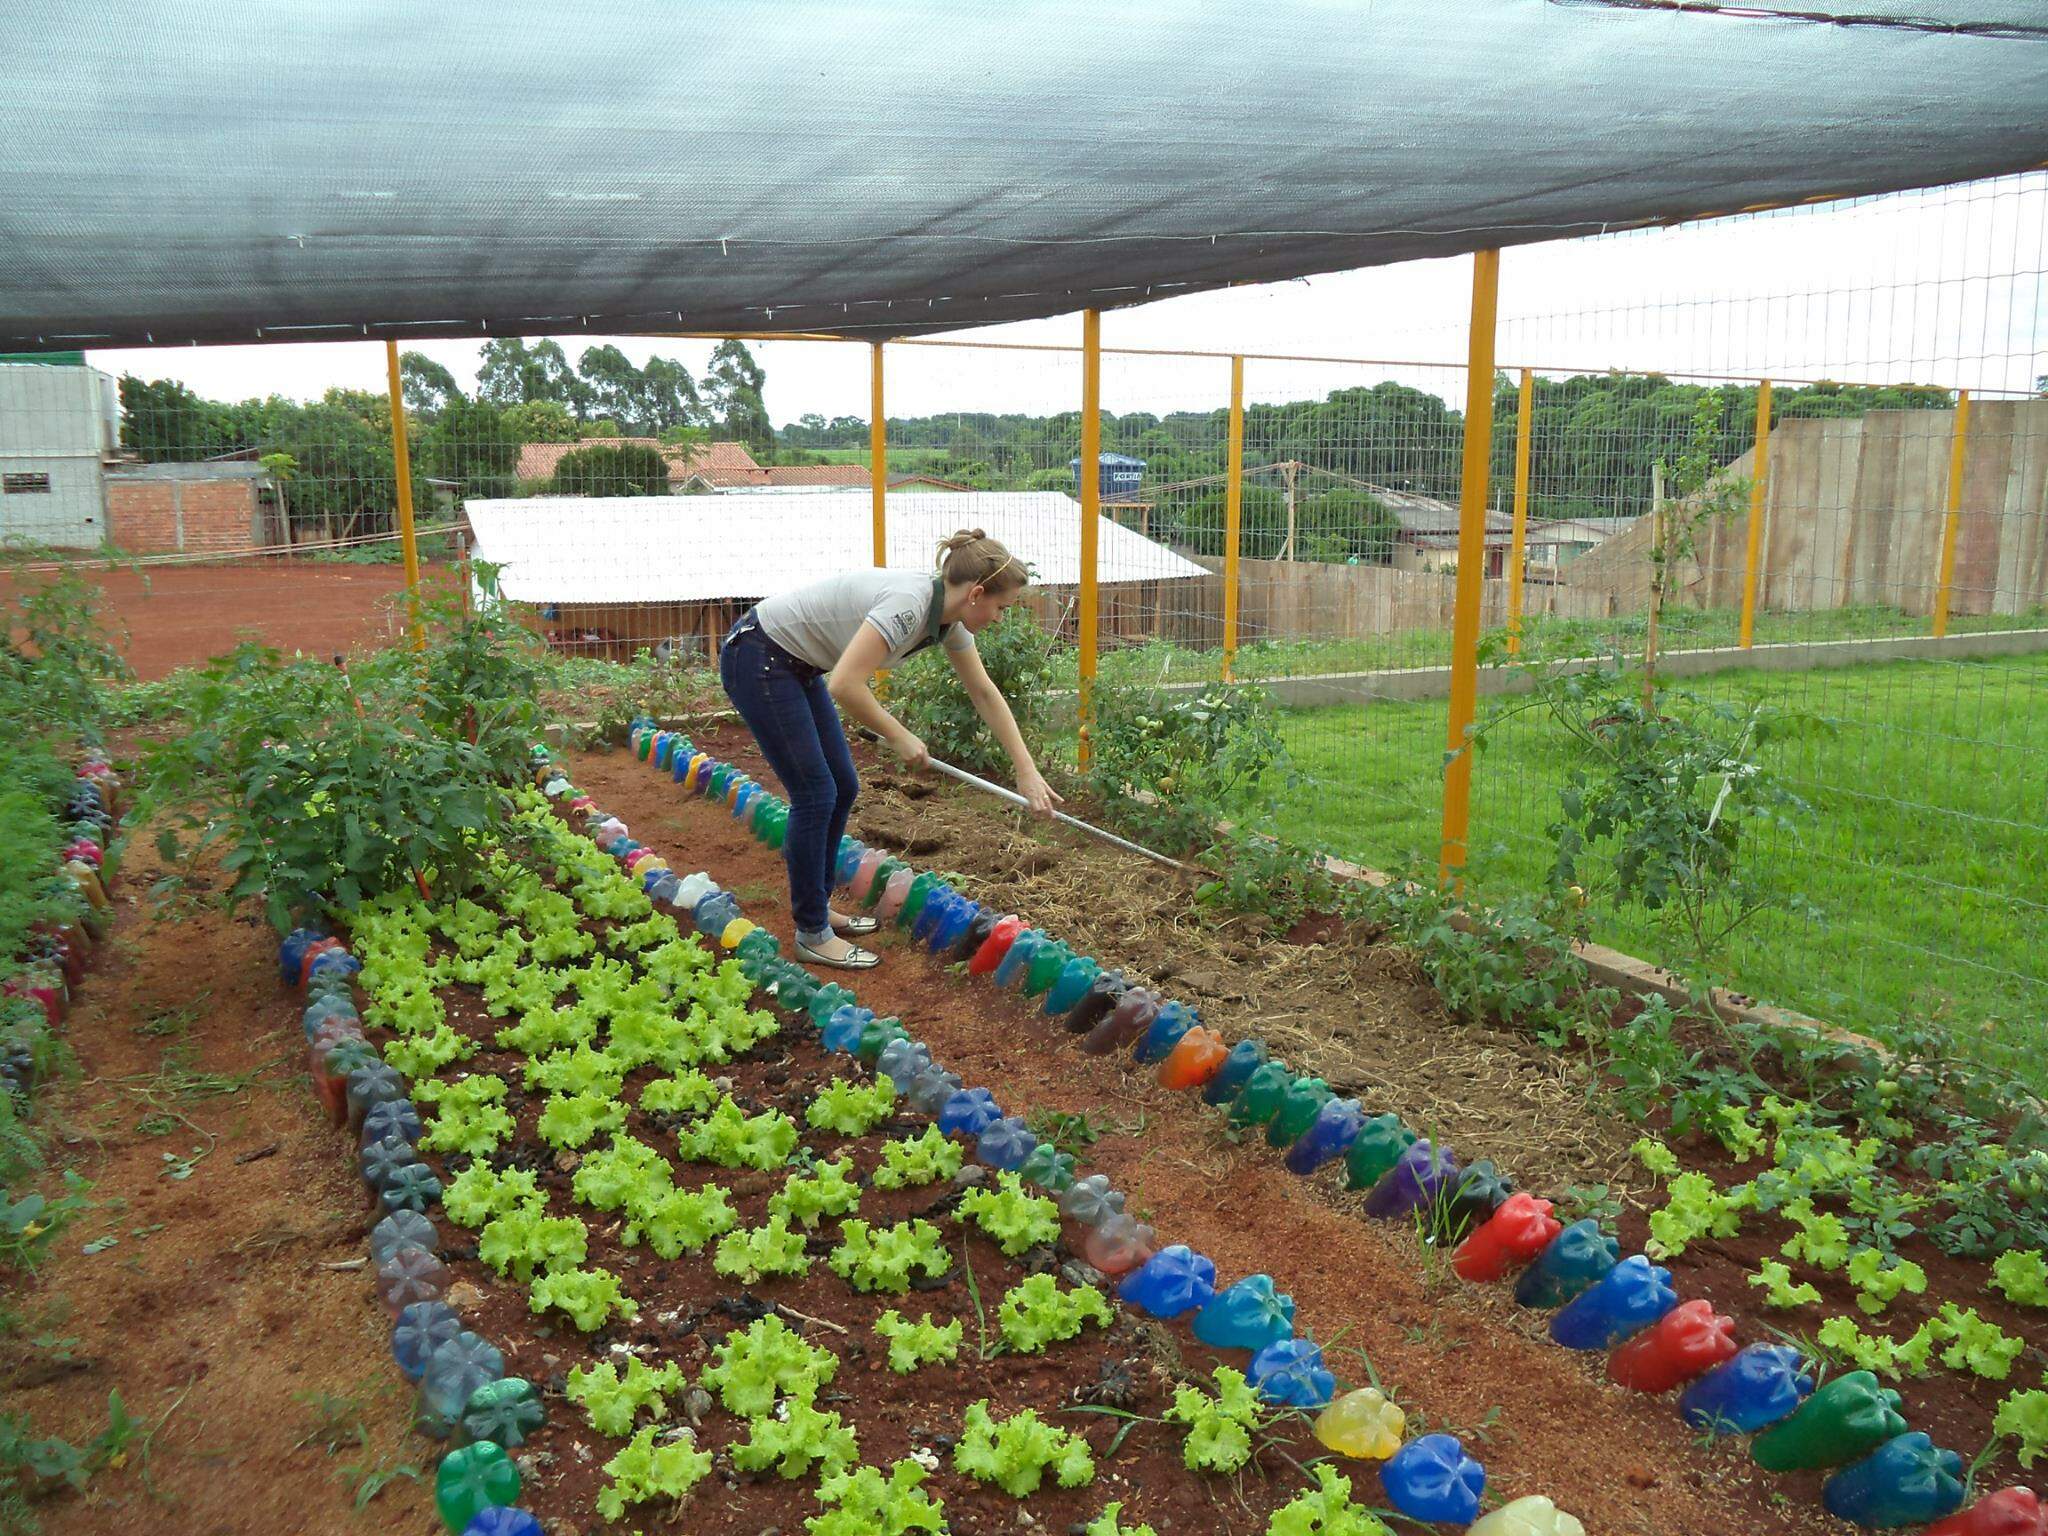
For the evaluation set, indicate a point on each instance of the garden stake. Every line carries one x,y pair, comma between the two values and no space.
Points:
1073,821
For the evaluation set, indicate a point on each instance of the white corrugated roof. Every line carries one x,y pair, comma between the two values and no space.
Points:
665,549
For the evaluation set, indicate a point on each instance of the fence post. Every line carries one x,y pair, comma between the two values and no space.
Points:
878,455
1233,514
1959,438
1472,488
1523,412
1759,482
1091,511
401,458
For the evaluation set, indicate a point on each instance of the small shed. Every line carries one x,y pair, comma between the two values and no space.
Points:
611,575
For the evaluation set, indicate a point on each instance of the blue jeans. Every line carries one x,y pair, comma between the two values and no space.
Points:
790,711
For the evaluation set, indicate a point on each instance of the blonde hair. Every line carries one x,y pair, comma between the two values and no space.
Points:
971,558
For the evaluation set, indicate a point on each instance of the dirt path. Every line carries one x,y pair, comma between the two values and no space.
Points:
210,1312
1462,1359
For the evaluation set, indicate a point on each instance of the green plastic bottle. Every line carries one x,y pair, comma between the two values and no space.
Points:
883,871
1262,1095
478,1477
1305,1099
778,826
1046,966
1049,1168
1381,1141
1845,1420
876,1034
914,899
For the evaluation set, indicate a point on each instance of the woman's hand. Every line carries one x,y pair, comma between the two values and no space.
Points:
1038,794
914,752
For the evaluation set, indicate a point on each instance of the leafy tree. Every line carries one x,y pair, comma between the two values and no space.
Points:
163,420
608,469
540,421
472,442
604,426
510,373
732,394
426,387
346,479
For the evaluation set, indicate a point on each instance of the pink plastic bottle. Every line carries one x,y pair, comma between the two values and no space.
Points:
864,875
893,895
1119,1245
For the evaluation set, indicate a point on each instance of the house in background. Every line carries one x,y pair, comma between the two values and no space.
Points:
708,467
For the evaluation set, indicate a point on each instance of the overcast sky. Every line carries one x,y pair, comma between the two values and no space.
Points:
1944,287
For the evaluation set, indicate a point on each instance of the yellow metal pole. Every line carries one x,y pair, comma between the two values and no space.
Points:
1471,562
1521,542
878,455
1091,510
1759,489
402,459
1958,442
1233,517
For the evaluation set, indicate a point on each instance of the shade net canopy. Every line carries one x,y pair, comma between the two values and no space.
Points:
176,171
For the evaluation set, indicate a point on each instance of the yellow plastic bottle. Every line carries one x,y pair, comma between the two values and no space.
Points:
1531,1515
735,930
1364,1424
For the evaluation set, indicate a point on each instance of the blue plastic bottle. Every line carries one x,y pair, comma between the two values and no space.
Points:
1336,1126
402,1229
1292,1371
1074,979
1413,1182
1620,1304
291,954
1575,1258
1431,1479
383,1158
850,853
1760,1386
420,1329
901,1061
714,912
1173,1282
969,1112
501,1521
1245,1058
743,802
412,1188
1005,1144
1905,1481
1249,1315
842,1030
455,1369
1017,959
394,1117
1172,1021
941,901
953,925
662,884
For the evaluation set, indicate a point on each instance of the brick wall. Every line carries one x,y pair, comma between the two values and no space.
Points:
155,516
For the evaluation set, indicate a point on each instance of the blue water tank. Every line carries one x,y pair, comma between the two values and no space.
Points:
1121,476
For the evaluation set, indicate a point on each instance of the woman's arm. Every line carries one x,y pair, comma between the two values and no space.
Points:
994,709
849,687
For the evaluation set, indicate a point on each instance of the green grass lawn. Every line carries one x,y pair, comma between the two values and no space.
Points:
1926,853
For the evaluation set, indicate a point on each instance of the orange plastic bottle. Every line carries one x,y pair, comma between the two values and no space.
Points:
1194,1060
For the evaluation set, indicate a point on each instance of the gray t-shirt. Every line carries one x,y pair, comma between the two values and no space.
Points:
818,622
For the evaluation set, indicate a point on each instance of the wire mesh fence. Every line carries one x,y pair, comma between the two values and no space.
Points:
1859,549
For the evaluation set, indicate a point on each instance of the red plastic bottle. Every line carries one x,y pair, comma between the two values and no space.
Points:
2008,1512
313,952
1514,1234
1192,1062
995,946
1688,1341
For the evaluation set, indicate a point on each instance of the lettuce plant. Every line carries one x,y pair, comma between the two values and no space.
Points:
546,1028
1821,1240
850,1108
1775,1281
478,1193
1014,1453
861,1503
644,1471
675,1221
828,1191
576,1119
591,1297
802,1438
424,1055
673,964
1976,1344
2024,1416
916,1160
1693,1208
653,930
1110,1523
688,1092
1220,1427
717,1032
884,1260
628,1172
751,1366
733,1139
578,1069
752,1253
1036,1312
1325,1510
611,1401
1880,1284
2021,1277
523,1240
477,1129
1013,1217
914,1344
